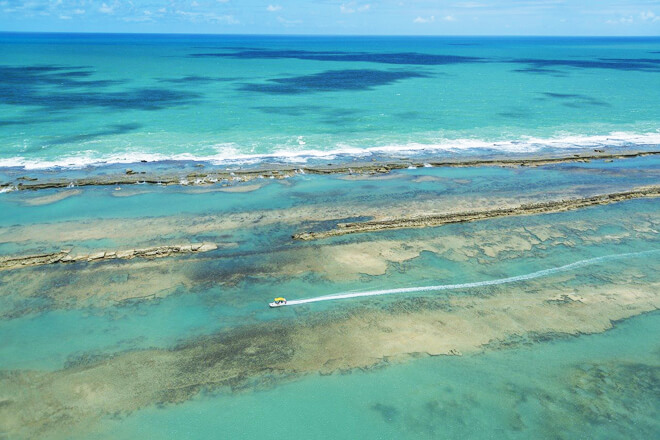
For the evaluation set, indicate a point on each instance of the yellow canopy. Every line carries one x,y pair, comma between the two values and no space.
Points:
279,299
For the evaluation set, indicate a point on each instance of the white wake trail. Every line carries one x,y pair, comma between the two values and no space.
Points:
529,276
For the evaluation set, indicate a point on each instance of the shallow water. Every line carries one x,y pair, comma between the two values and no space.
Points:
599,386
138,305
185,345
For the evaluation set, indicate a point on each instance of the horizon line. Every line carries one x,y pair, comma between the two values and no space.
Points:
330,35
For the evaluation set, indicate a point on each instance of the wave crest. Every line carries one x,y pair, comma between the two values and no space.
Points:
229,154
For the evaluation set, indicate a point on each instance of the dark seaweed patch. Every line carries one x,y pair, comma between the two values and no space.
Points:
634,60
227,47
196,79
525,340
290,110
388,412
250,348
613,392
542,66
410,115
562,95
632,64
575,100
86,359
331,81
61,76
110,131
542,71
515,114
413,58
28,120
61,88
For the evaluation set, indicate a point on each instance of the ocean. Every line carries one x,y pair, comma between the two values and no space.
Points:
74,100
154,189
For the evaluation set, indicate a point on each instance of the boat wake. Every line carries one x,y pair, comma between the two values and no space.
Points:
529,276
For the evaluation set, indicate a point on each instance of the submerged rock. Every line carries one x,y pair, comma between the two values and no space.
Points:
469,216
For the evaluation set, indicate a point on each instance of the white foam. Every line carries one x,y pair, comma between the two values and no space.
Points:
230,154
530,276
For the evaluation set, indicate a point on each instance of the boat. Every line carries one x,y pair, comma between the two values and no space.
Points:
278,302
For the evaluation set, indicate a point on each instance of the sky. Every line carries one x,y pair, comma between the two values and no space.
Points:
337,17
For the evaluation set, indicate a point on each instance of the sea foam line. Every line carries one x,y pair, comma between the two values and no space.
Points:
529,276
231,154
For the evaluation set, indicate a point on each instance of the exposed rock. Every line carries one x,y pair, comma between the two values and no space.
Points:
367,168
438,220
96,256
64,256
125,254
205,247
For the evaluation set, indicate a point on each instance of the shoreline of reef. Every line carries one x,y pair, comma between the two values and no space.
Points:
200,173
548,207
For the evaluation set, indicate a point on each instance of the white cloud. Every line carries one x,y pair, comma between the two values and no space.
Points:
346,9
352,8
449,18
65,17
286,22
79,11
649,16
207,17
622,20
137,19
274,8
105,9
430,19
470,5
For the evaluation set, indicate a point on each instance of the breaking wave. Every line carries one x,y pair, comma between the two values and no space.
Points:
231,155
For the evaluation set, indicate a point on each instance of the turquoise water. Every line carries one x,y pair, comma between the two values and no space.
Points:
79,99
105,203
59,319
75,100
600,386
206,303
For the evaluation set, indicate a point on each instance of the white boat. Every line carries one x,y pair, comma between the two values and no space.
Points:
278,302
